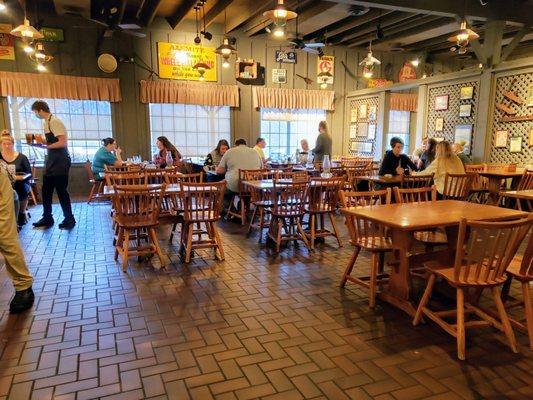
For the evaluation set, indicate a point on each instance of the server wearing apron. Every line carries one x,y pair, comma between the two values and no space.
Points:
56,169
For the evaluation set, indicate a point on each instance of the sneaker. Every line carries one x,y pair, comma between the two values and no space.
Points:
22,220
68,223
44,223
22,301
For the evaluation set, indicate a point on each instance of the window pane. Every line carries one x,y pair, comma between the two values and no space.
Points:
194,130
399,126
87,122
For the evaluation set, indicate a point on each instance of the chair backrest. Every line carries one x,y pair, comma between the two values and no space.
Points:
526,266
371,198
122,168
288,198
155,176
323,193
88,168
337,171
475,167
485,249
457,186
260,174
177,177
126,178
138,202
202,201
295,176
416,181
526,182
415,195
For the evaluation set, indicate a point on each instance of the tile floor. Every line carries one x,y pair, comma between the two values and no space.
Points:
255,326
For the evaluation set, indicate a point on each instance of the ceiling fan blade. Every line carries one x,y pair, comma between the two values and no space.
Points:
129,26
314,45
133,33
309,50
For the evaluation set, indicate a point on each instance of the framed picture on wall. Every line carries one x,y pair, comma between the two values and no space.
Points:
353,115
501,139
372,112
515,144
530,137
467,92
529,101
363,109
353,131
465,110
441,102
362,129
439,124
463,133
371,131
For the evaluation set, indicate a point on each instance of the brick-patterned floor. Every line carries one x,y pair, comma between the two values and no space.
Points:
255,326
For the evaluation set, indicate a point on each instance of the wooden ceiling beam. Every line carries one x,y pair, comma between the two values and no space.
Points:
147,11
508,10
216,10
180,13
369,27
393,33
515,42
246,12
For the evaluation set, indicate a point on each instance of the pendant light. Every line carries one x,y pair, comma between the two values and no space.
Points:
280,14
200,66
463,36
26,31
225,49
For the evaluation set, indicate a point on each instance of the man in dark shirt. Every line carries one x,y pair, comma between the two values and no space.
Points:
395,162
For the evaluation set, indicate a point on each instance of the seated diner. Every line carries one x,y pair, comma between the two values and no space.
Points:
108,154
394,161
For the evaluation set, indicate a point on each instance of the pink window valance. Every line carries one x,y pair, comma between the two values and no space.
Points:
403,101
293,98
189,93
22,84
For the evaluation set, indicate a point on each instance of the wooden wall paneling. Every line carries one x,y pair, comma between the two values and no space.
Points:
67,57
300,68
350,83
337,117
242,116
259,54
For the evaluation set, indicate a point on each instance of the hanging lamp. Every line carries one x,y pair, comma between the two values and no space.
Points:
463,36
26,31
280,14
225,49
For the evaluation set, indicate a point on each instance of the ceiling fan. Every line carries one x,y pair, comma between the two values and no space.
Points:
297,43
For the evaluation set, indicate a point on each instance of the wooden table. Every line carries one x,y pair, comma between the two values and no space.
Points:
404,219
268,184
170,189
495,178
22,177
519,195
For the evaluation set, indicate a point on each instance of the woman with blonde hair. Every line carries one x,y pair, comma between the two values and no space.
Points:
445,162
323,142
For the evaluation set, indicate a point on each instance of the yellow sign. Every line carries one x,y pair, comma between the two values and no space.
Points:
176,61
326,65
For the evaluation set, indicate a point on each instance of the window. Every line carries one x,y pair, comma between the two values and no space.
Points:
283,129
195,130
87,123
399,122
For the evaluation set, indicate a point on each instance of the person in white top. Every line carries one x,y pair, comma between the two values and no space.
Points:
56,169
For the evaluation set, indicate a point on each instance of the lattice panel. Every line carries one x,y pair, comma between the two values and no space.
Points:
451,115
354,105
502,155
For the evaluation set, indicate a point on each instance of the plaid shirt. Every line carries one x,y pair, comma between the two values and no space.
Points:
4,169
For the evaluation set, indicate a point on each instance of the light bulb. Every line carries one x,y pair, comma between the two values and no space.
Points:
28,49
280,13
415,62
2,6
367,74
40,55
225,52
202,78
480,66
323,85
225,64
41,68
278,32
463,36
424,76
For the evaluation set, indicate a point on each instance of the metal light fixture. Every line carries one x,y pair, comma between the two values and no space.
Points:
463,36
415,62
26,31
368,63
368,72
40,55
28,49
225,50
280,14
278,32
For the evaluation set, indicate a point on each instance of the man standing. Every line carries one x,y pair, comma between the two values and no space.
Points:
10,248
56,169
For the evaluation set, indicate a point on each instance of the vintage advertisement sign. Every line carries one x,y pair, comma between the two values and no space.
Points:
379,82
407,73
7,47
176,61
52,34
279,75
326,64
287,57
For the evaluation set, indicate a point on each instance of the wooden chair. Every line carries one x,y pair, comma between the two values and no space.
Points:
322,200
260,199
479,191
97,186
202,204
288,200
136,214
295,176
526,181
521,269
369,236
484,251
352,182
415,195
243,197
457,186
174,200
122,168
128,178
416,181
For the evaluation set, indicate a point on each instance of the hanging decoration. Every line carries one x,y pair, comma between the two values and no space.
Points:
368,63
201,67
462,37
225,49
40,57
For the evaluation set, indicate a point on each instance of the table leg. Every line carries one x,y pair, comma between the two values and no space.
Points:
494,185
397,292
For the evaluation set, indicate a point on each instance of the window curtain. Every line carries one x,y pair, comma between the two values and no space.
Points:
403,102
204,94
263,97
22,84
